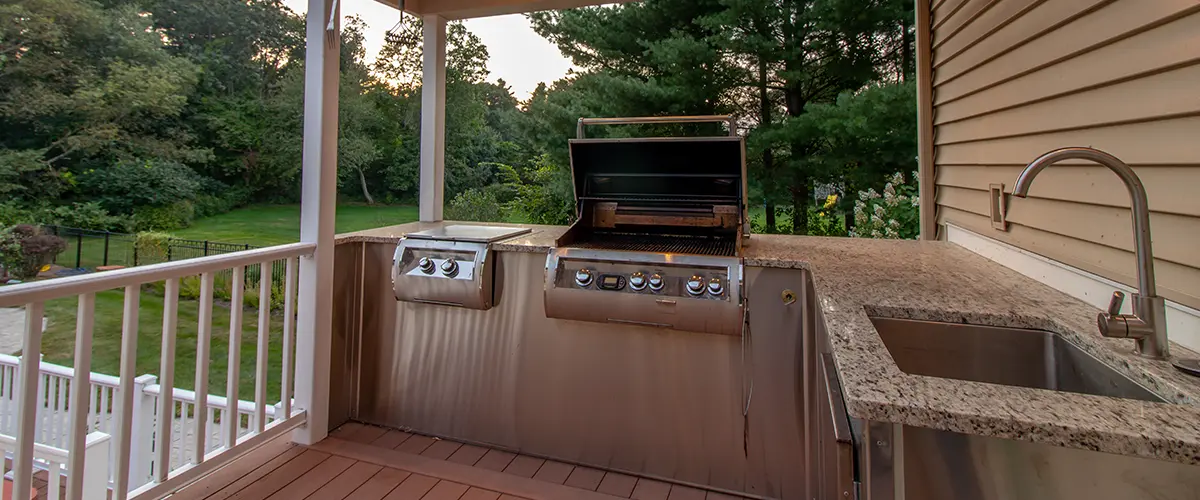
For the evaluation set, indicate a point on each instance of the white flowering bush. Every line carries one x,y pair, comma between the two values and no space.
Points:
895,214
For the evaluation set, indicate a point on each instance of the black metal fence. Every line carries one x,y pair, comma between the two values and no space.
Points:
90,250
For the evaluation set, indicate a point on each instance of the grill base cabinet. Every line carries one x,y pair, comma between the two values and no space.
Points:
668,404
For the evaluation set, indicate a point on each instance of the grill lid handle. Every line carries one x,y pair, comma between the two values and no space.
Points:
726,119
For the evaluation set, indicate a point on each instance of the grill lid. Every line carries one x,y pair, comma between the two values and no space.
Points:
705,170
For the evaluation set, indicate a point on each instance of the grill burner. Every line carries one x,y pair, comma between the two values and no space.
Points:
694,245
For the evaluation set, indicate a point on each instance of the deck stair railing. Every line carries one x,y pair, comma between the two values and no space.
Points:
214,441
53,419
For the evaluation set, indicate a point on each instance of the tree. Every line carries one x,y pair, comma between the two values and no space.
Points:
83,85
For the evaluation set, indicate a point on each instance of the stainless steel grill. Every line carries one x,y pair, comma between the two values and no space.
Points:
693,245
659,235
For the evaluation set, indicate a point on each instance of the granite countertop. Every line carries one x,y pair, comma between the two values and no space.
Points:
540,240
939,281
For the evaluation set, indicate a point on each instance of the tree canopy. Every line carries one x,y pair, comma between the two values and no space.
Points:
165,106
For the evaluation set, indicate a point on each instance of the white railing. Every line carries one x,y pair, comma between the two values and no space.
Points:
85,401
54,461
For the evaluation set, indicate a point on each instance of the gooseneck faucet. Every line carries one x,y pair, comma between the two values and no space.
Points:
1148,323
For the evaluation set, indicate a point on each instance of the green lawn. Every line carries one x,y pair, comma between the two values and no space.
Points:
265,225
58,342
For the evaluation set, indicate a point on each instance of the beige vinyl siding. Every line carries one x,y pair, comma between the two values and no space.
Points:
1016,78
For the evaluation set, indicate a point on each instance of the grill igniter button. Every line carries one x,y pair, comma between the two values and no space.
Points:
695,286
637,281
715,288
583,278
657,283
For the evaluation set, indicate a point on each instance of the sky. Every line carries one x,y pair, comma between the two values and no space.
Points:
519,56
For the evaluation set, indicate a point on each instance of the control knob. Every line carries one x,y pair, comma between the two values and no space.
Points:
657,283
450,268
583,277
695,285
715,288
426,265
637,281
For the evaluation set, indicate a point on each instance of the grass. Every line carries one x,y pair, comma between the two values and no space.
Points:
265,225
58,341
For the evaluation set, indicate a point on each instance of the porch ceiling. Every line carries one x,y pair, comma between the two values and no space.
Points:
464,9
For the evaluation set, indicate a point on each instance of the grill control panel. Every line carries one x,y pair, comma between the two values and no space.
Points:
689,293
446,273
681,281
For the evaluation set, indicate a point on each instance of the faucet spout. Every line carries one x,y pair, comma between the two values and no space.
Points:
1137,194
1148,323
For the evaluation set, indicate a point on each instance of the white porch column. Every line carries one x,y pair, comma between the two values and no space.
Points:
317,207
433,120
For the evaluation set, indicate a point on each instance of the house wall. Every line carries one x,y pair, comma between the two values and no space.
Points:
1013,79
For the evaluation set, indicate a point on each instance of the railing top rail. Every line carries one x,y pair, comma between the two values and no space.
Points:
62,371
41,291
47,452
217,402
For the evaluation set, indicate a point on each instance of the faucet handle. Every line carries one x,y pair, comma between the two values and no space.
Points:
1114,305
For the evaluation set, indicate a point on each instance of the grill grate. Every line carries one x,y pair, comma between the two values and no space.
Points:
660,244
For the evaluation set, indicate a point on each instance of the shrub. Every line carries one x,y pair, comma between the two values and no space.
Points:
475,205
824,221
88,215
24,250
128,185
175,216
546,197
151,246
893,215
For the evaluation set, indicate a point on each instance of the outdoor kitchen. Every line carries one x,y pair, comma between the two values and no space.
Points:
657,338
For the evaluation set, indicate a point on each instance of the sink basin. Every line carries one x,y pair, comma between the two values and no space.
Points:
1005,356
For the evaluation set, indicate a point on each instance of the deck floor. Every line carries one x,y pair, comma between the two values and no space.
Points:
362,462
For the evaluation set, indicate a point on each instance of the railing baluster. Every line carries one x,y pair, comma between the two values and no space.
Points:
63,420
203,344
264,346
229,421
289,337
81,393
208,440
166,379
129,339
54,481
30,364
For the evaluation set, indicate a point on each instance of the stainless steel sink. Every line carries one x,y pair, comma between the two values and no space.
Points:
1006,356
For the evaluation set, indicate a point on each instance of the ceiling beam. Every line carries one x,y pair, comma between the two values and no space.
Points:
466,9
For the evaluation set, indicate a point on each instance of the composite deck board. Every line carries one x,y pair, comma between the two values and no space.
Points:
479,494
441,450
524,466
380,484
615,484
554,472
370,463
391,439
649,489
413,488
496,460
349,480
314,479
468,454
281,477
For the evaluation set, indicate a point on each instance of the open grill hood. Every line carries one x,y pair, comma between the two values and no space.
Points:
660,187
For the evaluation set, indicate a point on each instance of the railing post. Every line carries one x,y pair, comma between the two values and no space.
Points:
169,249
95,473
206,248
318,207
106,235
78,249
141,455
